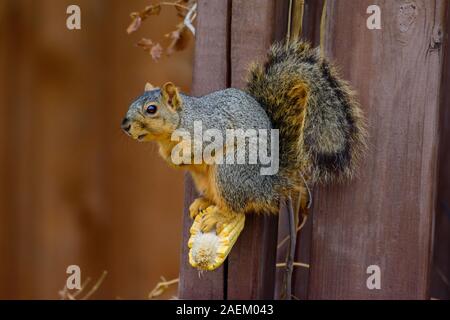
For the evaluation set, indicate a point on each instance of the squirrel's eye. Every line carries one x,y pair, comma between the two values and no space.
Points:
151,109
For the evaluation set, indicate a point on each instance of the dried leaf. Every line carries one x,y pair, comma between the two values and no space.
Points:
145,44
156,52
181,12
180,39
154,9
135,24
138,17
184,6
134,15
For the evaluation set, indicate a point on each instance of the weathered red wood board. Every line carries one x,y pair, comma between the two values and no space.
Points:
311,32
251,264
211,73
226,44
384,217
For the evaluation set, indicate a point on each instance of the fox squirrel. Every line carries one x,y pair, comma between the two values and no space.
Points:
321,131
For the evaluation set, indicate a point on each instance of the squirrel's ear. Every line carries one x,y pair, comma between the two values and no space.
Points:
170,95
149,86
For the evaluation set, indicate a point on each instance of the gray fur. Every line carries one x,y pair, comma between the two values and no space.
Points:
239,184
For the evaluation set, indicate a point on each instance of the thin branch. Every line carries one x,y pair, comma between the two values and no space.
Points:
288,33
297,19
161,287
96,286
83,286
291,248
190,18
295,264
174,4
323,21
64,293
310,198
282,242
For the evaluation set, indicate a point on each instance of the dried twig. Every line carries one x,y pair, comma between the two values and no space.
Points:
66,295
291,249
186,9
190,16
95,286
161,287
175,4
83,286
282,242
323,24
297,19
295,264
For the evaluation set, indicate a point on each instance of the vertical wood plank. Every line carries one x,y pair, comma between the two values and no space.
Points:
440,285
253,25
311,33
311,21
251,264
211,73
385,217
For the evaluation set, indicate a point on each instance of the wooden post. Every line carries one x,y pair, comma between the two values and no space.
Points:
211,73
300,275
251,265
311,33
231,34
385,217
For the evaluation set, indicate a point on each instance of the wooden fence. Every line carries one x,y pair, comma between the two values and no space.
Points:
386,216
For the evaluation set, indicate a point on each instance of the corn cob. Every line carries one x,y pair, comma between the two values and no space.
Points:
209,250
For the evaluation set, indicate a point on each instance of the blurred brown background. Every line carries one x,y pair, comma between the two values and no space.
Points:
73,188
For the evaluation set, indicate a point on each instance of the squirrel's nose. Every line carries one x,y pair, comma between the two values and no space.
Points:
125,125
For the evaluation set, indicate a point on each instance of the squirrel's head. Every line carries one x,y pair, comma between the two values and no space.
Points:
154,115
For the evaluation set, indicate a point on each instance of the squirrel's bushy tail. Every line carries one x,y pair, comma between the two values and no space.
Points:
322,131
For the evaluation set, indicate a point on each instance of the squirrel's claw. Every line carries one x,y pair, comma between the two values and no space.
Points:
198,205
209,222
213,219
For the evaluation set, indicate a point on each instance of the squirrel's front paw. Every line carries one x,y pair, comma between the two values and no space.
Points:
198,205
211,219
